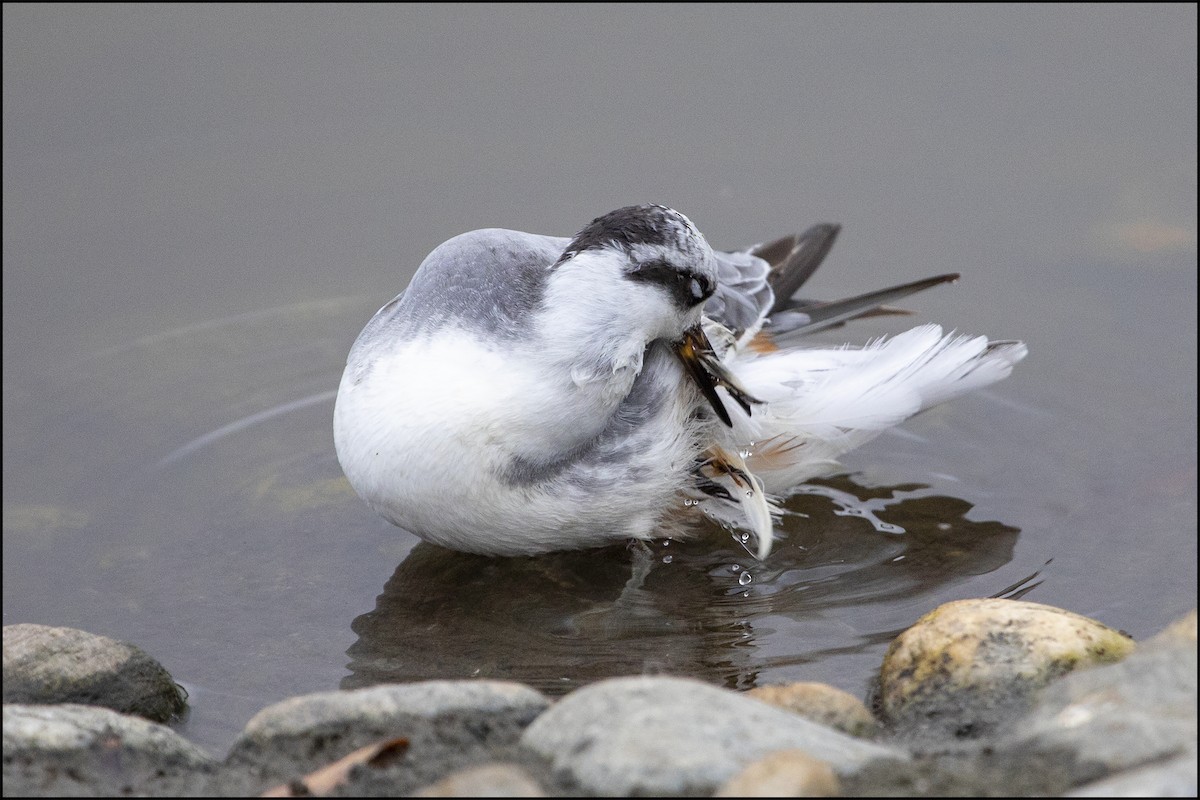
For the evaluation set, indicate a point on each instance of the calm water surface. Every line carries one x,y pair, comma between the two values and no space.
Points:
202,209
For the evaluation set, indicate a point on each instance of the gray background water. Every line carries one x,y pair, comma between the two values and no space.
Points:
202,207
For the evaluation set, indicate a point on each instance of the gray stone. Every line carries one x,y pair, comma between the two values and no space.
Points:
77,750
660,735
1175,777
449,724
43,664
1113,728
1118,717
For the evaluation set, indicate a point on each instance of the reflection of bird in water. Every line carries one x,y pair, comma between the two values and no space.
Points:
565,619
527,393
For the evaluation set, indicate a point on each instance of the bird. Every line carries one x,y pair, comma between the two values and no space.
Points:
529,393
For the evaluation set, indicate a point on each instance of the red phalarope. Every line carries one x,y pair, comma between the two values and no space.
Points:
533,393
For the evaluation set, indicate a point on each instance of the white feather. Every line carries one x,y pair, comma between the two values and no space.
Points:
819,404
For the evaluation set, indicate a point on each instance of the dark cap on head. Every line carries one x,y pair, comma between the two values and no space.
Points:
633,225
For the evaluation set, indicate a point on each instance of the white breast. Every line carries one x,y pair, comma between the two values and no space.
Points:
425,432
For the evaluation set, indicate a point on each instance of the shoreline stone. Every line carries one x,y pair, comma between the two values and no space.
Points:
969,666
823,704
449,724
676,736
44,664
1124,728
81,750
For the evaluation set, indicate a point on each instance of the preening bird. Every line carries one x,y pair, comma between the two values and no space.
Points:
532,393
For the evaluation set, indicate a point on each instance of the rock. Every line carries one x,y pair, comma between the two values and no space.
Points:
786,773
43,664
1175,777
486,780
970,665
821,703
1182,631
82,750
449,724
1125,716
1127,728
661,735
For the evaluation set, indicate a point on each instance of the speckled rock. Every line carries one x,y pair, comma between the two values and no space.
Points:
77,750
674,736
968,666
486,780
821,703
450,725
786,773
44,664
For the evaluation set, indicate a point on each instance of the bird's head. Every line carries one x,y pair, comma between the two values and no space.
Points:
642,274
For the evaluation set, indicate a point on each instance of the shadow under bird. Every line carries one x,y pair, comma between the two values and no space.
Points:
532,393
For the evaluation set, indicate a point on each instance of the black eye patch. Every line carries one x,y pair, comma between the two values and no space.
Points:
686,288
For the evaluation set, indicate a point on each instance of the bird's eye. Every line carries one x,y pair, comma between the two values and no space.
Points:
687,288
700,288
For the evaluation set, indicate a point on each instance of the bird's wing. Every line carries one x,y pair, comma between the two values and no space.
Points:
456,283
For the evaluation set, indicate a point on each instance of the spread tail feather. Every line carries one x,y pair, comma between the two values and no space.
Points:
823,403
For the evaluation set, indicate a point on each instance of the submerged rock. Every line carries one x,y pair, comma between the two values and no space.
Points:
968,666
44,664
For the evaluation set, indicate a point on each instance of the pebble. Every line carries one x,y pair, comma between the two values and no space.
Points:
486,780
785,773
821,703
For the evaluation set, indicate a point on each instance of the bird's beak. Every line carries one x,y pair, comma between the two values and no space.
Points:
706,369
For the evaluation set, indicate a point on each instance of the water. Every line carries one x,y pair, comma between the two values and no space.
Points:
203,208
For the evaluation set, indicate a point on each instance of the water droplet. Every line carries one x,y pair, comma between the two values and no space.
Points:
749,493
668,559
735,567
944,526
745,537
666,542
745,578
746,593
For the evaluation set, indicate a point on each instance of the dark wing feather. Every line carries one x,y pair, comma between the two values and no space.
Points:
764,279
